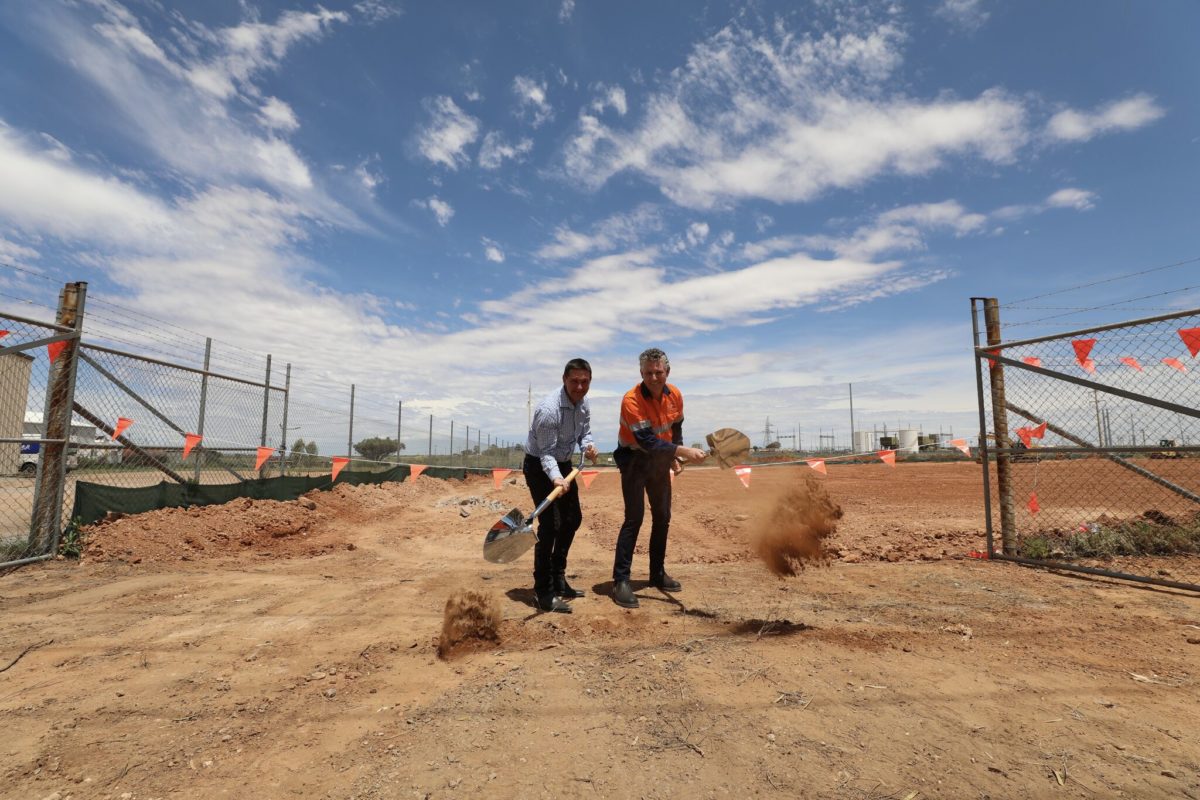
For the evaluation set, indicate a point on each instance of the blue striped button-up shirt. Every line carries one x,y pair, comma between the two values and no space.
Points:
558,427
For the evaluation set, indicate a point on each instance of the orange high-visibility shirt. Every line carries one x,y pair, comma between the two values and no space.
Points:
648,424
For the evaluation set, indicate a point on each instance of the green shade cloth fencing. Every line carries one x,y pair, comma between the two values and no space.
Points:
94,500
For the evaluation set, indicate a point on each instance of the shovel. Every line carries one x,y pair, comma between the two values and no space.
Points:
513,533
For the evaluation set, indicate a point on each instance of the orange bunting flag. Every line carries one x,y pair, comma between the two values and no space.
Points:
1175,363
3,334
1191,338
992,361
818,464
887,456
263,454
339,463
1131,361
961,444
1089,365
1032,505
1083,348
589,475
498,475
415,470
190,440
1038,432
743,474
1026,436
1032,361
122,425
54,348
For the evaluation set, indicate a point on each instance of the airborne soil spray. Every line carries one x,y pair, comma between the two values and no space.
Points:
792,534
471,622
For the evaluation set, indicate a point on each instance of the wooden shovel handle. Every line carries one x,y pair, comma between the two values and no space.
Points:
554,495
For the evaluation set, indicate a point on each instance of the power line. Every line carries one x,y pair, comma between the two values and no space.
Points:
1107,280
1103,306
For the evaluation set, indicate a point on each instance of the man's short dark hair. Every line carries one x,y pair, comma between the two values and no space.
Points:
577,363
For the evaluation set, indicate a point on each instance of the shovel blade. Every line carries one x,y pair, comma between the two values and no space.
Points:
508,538
729,445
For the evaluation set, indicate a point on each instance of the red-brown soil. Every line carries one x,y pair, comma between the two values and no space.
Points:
177,661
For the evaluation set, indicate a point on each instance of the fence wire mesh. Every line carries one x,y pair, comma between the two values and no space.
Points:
1104,475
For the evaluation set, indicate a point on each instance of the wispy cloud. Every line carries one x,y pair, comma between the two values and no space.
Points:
443,212
532,104
968,15
495,150
566,10
492,251
1131,113
618,230
449,132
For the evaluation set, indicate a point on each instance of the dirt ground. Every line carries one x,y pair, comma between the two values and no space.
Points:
278,650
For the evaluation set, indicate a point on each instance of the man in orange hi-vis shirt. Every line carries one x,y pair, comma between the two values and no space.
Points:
650,446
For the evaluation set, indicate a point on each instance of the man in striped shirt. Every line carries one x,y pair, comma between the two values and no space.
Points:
561,421
650,448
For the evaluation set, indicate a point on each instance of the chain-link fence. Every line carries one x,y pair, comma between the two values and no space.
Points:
136,421
1091,446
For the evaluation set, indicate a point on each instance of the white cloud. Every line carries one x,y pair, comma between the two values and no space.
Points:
1121,115
377,10
566,10
609,97
442,211
697,232
786,118
1078,199
615,231
531,100
492,251
369,175
495,150
278,115
450,131
968,15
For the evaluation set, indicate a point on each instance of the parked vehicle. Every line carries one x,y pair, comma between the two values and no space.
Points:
31,454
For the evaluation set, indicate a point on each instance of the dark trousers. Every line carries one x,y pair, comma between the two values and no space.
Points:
644,477
556,525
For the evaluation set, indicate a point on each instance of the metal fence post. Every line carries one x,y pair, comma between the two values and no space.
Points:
46,525
283,429
1008,527
262,439
399,419
350,437
451,461
431,434
203,403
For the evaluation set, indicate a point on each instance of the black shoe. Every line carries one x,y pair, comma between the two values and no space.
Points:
564,589
666,583
553,603
623,595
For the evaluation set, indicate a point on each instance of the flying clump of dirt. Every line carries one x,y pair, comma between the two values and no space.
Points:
471,622
793,533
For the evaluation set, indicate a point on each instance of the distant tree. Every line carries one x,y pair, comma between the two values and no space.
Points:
311,449
698,446
774,446
375,448
299,446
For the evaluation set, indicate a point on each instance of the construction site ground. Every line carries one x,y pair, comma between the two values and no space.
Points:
289,650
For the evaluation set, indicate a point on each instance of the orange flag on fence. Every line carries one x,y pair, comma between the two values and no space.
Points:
1175,363
3,334
589,475
1131,361
415,470
992,361
1026,436
1038,432
961,444
818,464
263,454
190,440
1032,361
499,474
1032,505
743,474
1083,348
339,463
887,456
1191,338
122,425
1089,365
54,348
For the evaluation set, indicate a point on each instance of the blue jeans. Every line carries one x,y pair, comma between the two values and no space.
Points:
644,476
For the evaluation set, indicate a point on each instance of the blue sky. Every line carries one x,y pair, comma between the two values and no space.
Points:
444,202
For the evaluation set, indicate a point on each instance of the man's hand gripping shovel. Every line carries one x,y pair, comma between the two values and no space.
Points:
513,533
728,446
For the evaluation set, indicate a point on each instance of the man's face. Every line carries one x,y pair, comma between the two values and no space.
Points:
654,375
576,383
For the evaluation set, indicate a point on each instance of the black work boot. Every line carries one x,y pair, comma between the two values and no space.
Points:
623,595
665,582
553,603
564,589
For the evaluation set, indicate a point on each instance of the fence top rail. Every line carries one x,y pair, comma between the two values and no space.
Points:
1082,331
195,370
37,322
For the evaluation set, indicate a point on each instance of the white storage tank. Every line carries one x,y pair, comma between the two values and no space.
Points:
908,441
864,441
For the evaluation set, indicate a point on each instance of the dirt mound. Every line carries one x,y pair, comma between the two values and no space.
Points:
793,533
471,622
